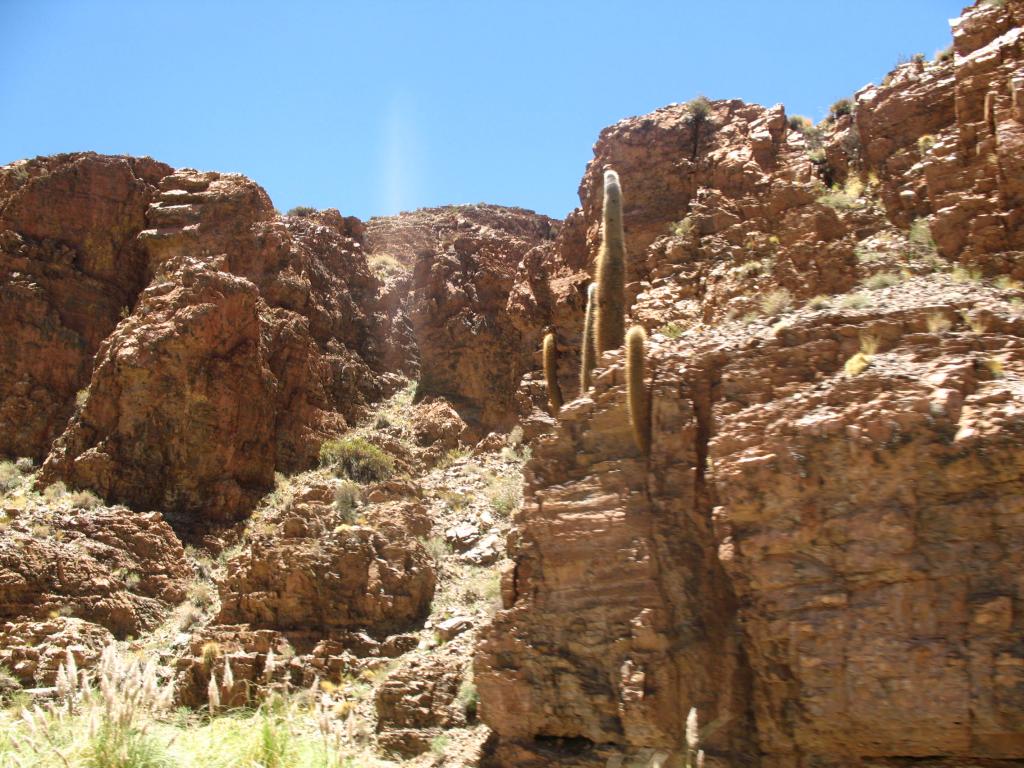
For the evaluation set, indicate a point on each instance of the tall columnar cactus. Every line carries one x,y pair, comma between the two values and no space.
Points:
551,373
639,406
610,322
588,353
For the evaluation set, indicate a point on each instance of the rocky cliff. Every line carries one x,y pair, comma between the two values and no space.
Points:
345,423
816,554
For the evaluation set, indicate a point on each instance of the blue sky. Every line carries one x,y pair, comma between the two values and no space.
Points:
376,107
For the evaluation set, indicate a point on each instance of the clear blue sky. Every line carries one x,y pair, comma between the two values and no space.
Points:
375,107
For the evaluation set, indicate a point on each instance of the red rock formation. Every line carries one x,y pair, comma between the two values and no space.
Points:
307,570
809,552
947,140
863,523
255,339
472,349
419,698
69,267
33,651
115,568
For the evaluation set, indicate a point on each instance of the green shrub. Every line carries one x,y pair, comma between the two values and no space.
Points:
671,330
683,227
840,109
854,301
84,500
346,500
10,477
357,459
302,211
384,265
698,110
468,699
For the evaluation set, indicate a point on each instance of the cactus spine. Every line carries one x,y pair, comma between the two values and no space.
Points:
588,353
611,270
551,373
639,406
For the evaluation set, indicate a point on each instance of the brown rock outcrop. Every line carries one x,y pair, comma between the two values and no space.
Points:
472,349
305,570
804,555
947,140
119,569
34,651
256,337
259,661
418,700
69,266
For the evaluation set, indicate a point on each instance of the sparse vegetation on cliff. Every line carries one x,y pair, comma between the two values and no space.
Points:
357,459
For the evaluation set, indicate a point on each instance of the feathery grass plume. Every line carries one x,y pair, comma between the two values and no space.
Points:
213,695
551,373
588,353
694,755
639,405
610,322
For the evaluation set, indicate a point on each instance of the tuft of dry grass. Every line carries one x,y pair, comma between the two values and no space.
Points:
855,301
881,280
776,301
860,361
938,323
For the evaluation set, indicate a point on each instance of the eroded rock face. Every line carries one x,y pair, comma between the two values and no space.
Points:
472,349
259,661
119,569
617,616
256,337
870,526
308,571
419,699
179,412
33,651
69,266
947,140
804,552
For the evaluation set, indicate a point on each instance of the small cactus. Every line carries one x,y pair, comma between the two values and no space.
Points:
610,322
588,352
551,373
639,405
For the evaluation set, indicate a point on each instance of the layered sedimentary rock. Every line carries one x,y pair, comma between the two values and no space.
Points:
871,528
472,348
823,533
804,552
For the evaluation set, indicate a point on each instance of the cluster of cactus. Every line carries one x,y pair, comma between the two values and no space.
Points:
604,325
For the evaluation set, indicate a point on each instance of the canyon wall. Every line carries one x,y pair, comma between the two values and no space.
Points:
820,552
